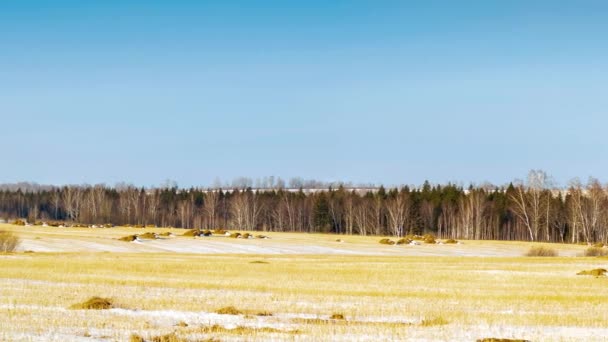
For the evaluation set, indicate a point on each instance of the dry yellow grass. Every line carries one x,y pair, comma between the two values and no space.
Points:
382,298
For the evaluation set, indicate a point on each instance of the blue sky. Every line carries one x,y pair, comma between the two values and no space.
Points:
391,92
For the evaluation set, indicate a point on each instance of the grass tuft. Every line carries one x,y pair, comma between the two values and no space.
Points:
136,338
8,242
597,272
494,339
450,241
595,252
433,322
192,232
94,303
337,316
128,238
540,251
229,310
387,242
148,235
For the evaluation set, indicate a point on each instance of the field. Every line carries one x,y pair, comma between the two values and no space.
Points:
288,288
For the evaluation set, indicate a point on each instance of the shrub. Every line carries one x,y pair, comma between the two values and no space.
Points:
264,313
337,316
247,236
128,238
19,222
598,245
165,234
235,235
219,232
595,251
207,232
8,242
450,241
262,237
597,272
387,242
494,339
540,251
94,303
228,310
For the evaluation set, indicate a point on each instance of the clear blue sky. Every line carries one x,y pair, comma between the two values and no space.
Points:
391,92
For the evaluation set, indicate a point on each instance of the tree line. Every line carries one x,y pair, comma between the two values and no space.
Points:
532,210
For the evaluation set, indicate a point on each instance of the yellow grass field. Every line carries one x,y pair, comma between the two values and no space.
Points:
288,287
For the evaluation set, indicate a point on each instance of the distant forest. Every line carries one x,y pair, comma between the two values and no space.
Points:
533,210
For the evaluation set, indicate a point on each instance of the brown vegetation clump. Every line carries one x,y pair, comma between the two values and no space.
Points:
337,316
228,310
172,337
128,238
387,242
148,235
264,313
235,235
450,241
262,237
241,330
259,262
247,236
94,303
429,238
219,232
403,241
150,226
8,242
136,338
597,272
206,232
414,237
598,245
139,226
165,234
19,222
540,251
433,321
595,252
192,232
494,339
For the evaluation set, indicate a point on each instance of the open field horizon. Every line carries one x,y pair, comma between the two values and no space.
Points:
55,239
288,287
